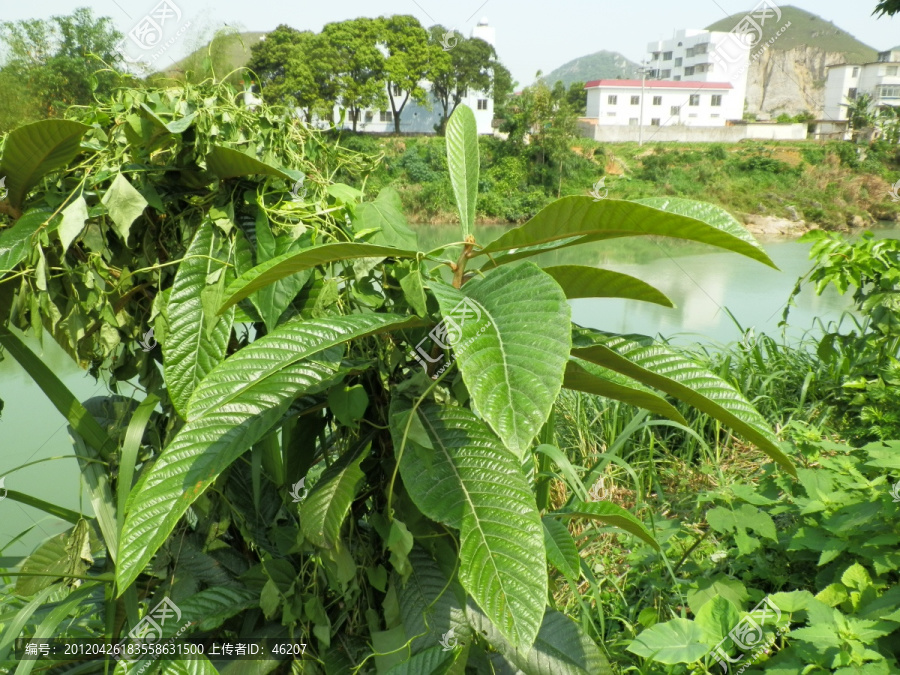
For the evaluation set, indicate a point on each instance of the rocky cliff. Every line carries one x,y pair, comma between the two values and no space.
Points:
790,81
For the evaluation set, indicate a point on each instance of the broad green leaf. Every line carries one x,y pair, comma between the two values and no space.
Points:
434,661
738,521
578,220
561,647
197,338
95,476
462,161
579,281
717,618
431,606
16,241
232,408
124,203
34,150
73,218
348,404
63,399
229,163
385,214
468,480
414,291
659,367
511,341
706,589
675,641
561,550
593,379
323,511
290,263
610,514
68,553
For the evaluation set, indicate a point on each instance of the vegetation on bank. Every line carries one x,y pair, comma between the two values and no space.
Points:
825,184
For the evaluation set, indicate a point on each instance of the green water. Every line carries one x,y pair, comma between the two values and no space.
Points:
700,280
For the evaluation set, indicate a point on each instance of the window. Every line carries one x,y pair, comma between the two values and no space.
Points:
482,104
667,56
694,100
353,116
635,100
665,73
677,78
855,72
395,90
675,110
386,116
612,99
716,100
677,62
369,116
656,55
689,52
657,100
891,70
888,92
701,48
654,122
852,94
610,114
689,70
692,115
632,121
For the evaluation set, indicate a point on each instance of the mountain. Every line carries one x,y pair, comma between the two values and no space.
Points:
600,65
231,50
790,75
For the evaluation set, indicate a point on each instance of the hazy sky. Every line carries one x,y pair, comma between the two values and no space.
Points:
531,35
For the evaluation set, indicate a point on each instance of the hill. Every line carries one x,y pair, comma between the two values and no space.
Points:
230,50
807,30
600,65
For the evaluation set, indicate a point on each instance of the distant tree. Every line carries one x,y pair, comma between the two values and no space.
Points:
861,114
61,60
467,66
359,65
889,7
576,97
502,89
409,55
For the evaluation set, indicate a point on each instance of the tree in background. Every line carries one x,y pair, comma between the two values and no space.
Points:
409,55
468,66
359,63
576,97
860,113
889,7
58,62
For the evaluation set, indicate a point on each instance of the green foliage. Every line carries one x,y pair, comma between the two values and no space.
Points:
295,330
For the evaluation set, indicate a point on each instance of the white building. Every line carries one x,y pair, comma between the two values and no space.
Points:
880,79
698,104
419,119
704,56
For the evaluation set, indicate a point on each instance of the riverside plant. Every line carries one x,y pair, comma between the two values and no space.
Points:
291,341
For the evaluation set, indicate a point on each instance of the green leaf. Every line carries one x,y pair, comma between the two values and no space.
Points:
659,367
97,481
229,163
717,618
290,263
706,589
561,647
675,641
63,399
509,333
385,214
323,511
16,241
73,218
738,521
124,203
578,220
231,409
561,550
611,514
462,161
471,482
434,660
592,379
348,403
192,348
68,553
578,281
34,150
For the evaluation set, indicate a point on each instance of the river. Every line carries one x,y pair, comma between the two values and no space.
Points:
700,280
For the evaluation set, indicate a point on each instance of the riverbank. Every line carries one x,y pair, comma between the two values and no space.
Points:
774,188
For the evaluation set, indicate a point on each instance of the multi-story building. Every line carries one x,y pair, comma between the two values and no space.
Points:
618,102
416,118
880,79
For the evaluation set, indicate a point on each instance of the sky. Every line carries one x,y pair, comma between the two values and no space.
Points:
532,35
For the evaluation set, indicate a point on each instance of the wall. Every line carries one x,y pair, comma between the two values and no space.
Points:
625,134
